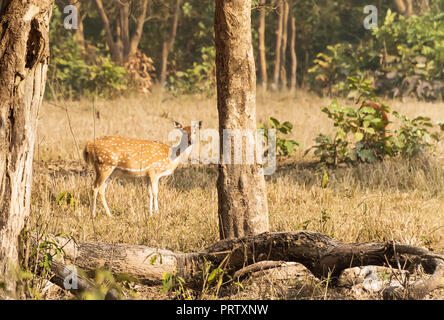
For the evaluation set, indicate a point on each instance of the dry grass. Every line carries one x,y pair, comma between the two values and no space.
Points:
392,200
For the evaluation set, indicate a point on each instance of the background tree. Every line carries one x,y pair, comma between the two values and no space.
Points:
294,59
262,53
404,7
124,41
242,198
24,48
278,41
169,41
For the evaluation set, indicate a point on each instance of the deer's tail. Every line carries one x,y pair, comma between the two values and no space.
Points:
88,153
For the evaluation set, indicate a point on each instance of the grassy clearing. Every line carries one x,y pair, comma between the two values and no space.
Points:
393,200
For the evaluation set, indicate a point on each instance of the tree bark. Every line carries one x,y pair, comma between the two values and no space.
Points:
168,43
320,254
242,198
277,57
24,51
294,59
262,52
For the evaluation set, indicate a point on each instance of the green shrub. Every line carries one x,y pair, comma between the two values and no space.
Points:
361,136
72,74
284,147
404,56
200,78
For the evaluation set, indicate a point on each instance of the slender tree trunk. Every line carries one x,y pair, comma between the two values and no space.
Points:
277,57
24,51
124,14
168,43
242,198
137,34
262,53
294,60
114,51
283,72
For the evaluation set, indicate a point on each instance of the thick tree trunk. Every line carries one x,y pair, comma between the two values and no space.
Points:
24,51
242,197
262,52
322,255
168,43
294,60
277,57
283,71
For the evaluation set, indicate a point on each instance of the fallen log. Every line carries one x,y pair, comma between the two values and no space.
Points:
322,255
68,279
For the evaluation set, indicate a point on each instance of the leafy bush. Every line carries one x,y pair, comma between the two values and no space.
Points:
412,55
72,74
284,147
361,136
200,78
332,68
413,137
404,56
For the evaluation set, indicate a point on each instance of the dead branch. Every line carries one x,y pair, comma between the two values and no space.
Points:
320,254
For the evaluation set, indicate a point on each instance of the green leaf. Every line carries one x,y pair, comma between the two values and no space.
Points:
274,122
213,274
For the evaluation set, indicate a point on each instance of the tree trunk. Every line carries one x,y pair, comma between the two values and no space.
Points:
283,71
114,51
404,7
242,198
294,59
168,44
24,51
137,34
262,53
277,57
124,14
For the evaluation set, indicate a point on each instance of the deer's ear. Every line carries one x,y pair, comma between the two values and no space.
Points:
177,125
200,124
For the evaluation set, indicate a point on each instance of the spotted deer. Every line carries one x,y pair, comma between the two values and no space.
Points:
127,157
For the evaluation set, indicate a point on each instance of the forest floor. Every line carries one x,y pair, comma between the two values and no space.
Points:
396,199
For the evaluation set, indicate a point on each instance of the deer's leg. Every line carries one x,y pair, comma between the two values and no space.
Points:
150,191
155,191
102,196
102,175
